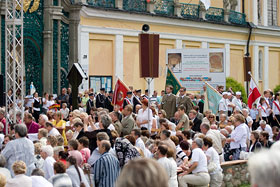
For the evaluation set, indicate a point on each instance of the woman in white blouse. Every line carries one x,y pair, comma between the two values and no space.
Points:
264,109
276,110
144,118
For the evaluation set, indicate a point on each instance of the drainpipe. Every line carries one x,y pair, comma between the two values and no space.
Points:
243,6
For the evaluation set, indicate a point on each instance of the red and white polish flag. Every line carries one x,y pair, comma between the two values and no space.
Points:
254,93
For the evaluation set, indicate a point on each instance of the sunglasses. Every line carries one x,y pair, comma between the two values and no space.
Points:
229,121
211,117
159,113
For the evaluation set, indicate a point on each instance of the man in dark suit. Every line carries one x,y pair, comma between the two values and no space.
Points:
108,102
128,100
136,100
168,103
101,98
184,100
196,122
90,103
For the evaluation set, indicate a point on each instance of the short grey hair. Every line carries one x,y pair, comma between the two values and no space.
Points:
47,149
21,130
245,110
106,120
38,172
224,131
44,117
2,161
264,168
262,122
199,142
205,126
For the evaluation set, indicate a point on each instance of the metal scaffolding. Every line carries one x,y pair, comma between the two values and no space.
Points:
14,62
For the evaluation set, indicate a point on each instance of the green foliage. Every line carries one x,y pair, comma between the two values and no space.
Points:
276,89
236,86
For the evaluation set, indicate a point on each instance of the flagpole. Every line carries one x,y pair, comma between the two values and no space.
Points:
253,79
212,88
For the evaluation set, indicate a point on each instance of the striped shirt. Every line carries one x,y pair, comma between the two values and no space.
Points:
106,170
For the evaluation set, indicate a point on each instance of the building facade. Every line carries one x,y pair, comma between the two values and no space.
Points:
103,37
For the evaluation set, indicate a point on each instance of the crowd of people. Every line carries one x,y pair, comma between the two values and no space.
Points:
103,145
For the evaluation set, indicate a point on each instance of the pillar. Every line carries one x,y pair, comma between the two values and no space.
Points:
266,68
179,44
84,57
48,48
255,11
256,62
119,57
227,62
204,45
74,21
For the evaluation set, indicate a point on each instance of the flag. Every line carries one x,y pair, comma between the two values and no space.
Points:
213,98
119,93
206,3
254,93
173,81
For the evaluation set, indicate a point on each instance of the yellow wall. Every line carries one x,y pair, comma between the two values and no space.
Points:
101,54
131,63
191,44
236,63
274,68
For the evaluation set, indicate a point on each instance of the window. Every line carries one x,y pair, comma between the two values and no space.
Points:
272,12
260,65
97,82
259,13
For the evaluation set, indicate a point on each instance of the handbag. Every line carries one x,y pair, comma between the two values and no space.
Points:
82,184
212,166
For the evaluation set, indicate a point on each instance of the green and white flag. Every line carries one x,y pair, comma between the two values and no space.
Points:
173,81
213,98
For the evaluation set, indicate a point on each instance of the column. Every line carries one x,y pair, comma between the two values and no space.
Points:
266,68
264,12
48,48
256,62
255,12
84,57
227,62
204,45
74,21
179,44
119,57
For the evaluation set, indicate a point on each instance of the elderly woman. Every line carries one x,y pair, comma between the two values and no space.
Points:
144,118
213,160
20,149
39,161
3,180
75,173
4,171
238,137
47,155
223,121
20,178
60,178
73,151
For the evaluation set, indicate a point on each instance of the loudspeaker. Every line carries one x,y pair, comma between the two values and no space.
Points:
149,55
2,91
247,68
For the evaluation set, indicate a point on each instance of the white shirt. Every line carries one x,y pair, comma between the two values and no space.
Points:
217,139
170,167
54,132
45,106
264,110
239,134
143,115
223,105
199,157
213,156
39,181
274,107
237,103
111,127
140,144
48,167
267,129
